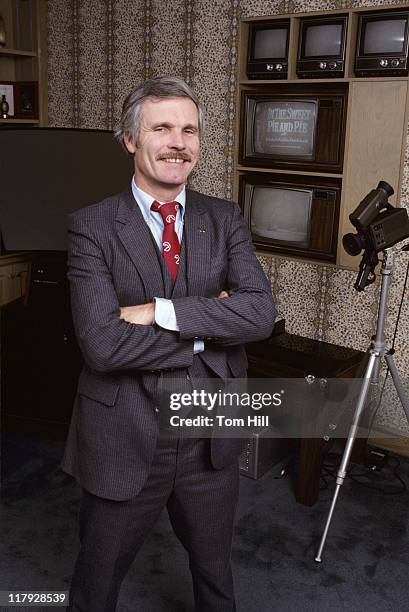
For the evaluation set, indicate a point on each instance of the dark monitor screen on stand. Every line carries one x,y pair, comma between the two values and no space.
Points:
46,174
386,36
270,43
323,40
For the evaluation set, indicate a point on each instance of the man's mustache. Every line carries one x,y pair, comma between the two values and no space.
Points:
182,156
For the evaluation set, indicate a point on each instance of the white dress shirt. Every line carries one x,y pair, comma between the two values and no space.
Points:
164,310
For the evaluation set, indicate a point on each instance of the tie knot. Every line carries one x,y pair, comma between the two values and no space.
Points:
167,211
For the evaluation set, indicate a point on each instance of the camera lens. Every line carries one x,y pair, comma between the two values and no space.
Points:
353,243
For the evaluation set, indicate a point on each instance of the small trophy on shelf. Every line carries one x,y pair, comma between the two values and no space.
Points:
4,107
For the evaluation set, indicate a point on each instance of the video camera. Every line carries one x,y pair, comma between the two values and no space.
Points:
379,226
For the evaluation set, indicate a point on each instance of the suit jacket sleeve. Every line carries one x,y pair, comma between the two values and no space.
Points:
107,342
248,314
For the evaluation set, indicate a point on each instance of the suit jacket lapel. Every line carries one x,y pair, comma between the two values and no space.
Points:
198,243
137,239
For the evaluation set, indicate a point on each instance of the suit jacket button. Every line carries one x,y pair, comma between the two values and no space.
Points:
156,409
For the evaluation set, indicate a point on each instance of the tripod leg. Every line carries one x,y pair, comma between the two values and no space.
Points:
348,447
400,390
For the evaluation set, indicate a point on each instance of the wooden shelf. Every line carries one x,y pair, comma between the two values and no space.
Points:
17,52
307,81
241,168
15,121
377,112
377,79
283,81
24,58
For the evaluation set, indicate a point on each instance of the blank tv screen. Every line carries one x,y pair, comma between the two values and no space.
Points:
385,36
269,44
323,40
280,214
285,128
47,173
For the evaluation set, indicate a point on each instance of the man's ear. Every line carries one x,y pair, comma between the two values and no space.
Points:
128,142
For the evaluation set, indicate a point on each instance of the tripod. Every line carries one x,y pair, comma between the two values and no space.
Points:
376,351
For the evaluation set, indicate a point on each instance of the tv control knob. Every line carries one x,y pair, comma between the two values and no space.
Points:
384,63
323,65
270,67
279,67
332,65
395,63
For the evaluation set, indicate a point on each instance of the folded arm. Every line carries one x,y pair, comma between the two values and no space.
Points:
162,312
248,314
107,341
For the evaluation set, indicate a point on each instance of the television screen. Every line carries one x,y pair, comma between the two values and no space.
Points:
47,173
323,40
298,126
292,213
384,36
270,43
285,127
280,214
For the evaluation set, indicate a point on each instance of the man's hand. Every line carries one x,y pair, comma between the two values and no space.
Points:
143,314
222,295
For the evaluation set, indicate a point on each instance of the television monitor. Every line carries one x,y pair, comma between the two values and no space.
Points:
45,173
292,214
382,43
321,46
280,213
267,56
294,127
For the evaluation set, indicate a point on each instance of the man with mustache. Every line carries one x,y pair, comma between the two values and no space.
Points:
164,283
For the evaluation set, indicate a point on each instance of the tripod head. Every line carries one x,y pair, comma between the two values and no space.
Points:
379,226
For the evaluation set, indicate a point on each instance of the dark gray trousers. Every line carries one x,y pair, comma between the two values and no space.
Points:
200,501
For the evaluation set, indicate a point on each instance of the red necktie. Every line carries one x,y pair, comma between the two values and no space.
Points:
170,241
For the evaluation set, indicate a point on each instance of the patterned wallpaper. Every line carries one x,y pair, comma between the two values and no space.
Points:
99,49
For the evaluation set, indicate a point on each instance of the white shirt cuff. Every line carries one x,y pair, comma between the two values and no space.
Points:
165,317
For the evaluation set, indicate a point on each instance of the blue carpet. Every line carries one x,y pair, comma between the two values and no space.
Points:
365,563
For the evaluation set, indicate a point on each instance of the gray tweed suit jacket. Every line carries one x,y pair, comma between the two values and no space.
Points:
113,262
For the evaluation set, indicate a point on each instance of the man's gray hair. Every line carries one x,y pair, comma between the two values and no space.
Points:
153,89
